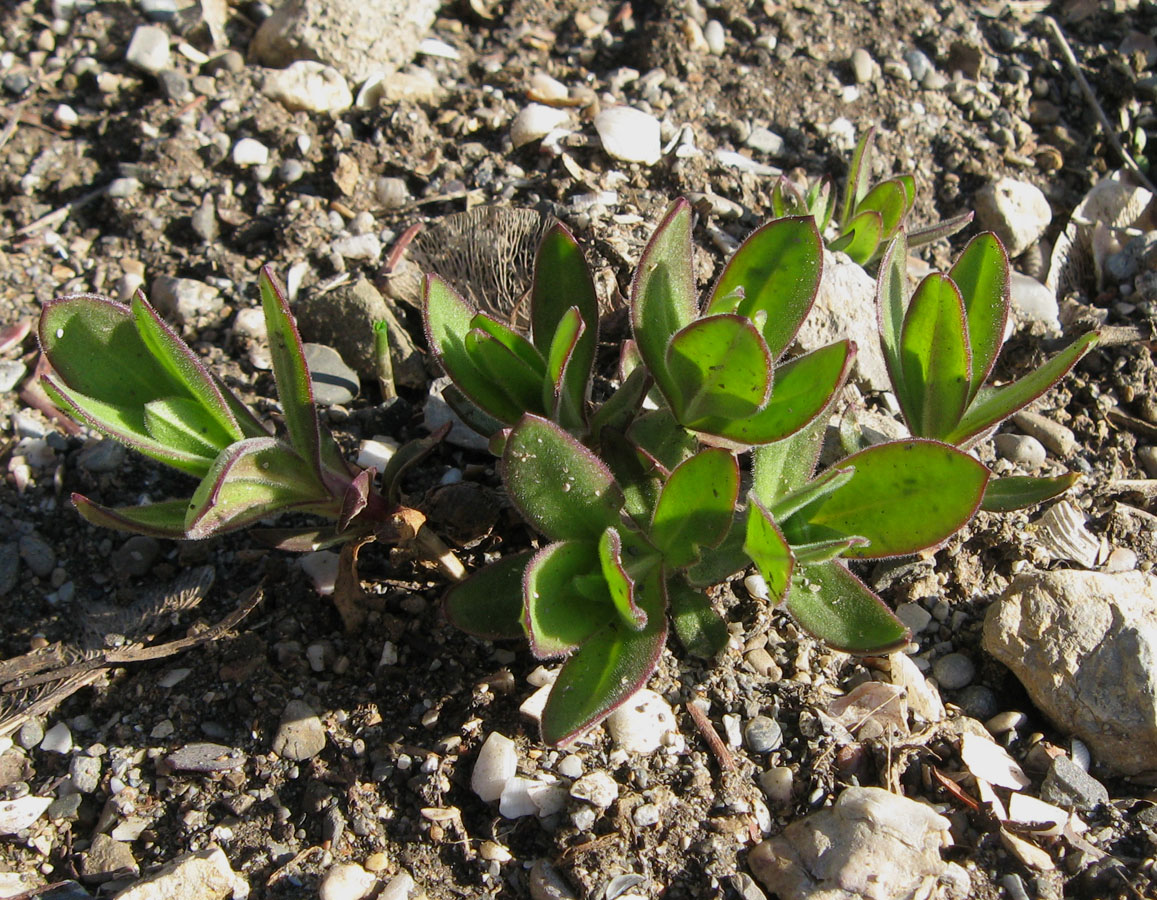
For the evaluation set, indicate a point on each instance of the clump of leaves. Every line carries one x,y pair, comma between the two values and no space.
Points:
122,371
870,216
638,498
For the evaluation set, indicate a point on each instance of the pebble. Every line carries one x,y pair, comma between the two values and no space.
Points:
1021,449
715,37
37,554
148,49
1017,211
334,382
105,455
158,10
204,875
1033,301
290,171
762,734
65,116
764,140
230,61
629,134
545,89
1057,438
597,788
185,299
123,187
918,64
309,86
534,122
400,887
359,246
645,814
300,735
864,68
642,723
547,884
346,881
914,616
978,701
106,857
18,814
1147,456
777,783
204,220
135,557
174,86
954,671
250,152
392,193
84,773
1067,784
30,734
496,764
17,83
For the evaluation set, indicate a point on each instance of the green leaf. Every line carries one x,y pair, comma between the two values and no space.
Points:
294,390
786,200
660,436
621,408
562,280
982,275
831,603
409,454
663,291
787,505
471,414
926,234
936,364
607,669
821,203
489,604
695,506
778,269
905,496
992,407
565,597
1022,491
779,468
558,485
725,560
804,388
125,425
250,480
619,581
823,551
861,237
183,424
890,199
858,174
566,404
506,370
512,341
184,366
891,306
701,630
768,549
719,366
636,472
448,320
163,520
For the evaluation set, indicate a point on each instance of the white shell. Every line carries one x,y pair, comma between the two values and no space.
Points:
535,122
629,134
1062,533
497,761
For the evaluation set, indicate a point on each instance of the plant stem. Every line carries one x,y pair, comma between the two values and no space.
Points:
382,359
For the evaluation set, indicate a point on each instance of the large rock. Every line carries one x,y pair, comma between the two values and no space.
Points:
845,307
1084,645
205,875
358,39
870,845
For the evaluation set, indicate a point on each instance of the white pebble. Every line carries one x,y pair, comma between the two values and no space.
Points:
515,801
714,36
377,453
346,881
757,586
149,49
16,815
570,767
535,122
533,705
630,135
65,116
250,152
310,86
549,798
596,788
400,887
58,739
496,764
359,246
777,784
640,724
545,89
646,814
321,567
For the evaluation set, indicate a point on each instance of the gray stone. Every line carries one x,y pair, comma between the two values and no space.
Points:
30,734
1084,645
915,616
436,412
84,773
9,567
1147,456
864,68
174,86
230,61
392,193
845,307
918,64
1022,449
1056,437
334,383
1018,212
978,701
762,734
107,859
185,299
104,455
204,875
11,371
954,671
870,845
204,220
1068,785
37,554
158,10
547,884
765,141
149,49
135,557
66,808
205,757
356,38
300,735
291,171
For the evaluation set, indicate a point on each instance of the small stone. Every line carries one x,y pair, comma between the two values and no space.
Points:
58,739
763,663
123,187
1056,437
185,299
65,808
65,116
250,152
515,802
764,140
1022,449
359,246
158,10
230,61
106,859
204,220
1017,211
174,86
547,884
136,556
1068,785
105,455
864,68
17,83
978,701
204,875
918,64
954,671
18,814
37,554
1033,301
496,764
376,862
777,783
597,788
1004,722
915,616
310,86
30,734
641,724
300,735
149,49
84,773
392,193
334,383
715,37
535,122
762,734
629,134
206,757
346,881
646,814
400,887
291,171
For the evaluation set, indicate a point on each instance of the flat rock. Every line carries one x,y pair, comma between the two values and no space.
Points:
185,299
300,734
870,845
18,814
1084,645
204,875
356,38
334,383
1016,211
845,307
107,859
1068,785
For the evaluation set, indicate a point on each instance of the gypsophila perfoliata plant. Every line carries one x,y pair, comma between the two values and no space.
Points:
125,373
638,498
870,216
